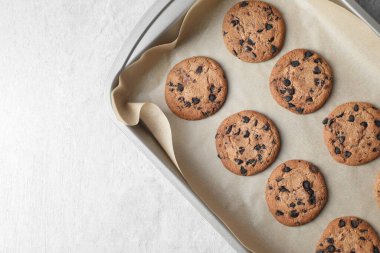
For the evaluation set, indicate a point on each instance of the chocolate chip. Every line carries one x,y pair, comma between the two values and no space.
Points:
317,81
179,87
378,136
235,22
212,97
246,119
356,108
266,127
212,88
171,84
254,55
325,120
312,199
340,115
181,99
248,48
234,51
288,98
273,49
282,91
279,213
229,129
246,134
292,205
259,157
257,147
291,91
364,124
314,169
271,39
255,123
330,240
362,238
308,54
306,185
295,63
294,214
318,60
351,118
287,82
377,123
354,223
341,139
341,223
376,249
283,189
268,26
337,150
263,146
299,202
321,250
260,30
187,104
317,70
330,248
251,42
195,100
243,4
251,161
199,70
309,99
299,110
347,154
243,171
238,161
241,42
291,105
241,150
224,33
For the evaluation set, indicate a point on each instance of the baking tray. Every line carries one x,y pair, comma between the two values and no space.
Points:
163,18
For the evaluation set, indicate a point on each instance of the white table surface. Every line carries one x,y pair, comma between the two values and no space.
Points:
69,181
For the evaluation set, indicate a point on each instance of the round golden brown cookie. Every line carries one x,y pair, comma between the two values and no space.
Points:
352,133
301,81
296,192
377,190
254,31
348,235
195,88
247,142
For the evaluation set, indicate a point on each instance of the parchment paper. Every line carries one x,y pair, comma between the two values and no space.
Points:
352,50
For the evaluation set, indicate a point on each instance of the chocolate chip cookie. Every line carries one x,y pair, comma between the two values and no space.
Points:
247,142
253,31
301,81
195,88
377,189
352,133
296,192
349,235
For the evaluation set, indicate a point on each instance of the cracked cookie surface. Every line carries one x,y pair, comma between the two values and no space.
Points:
352,133
195,88
301,81
247,142
348,235
296,192
253,31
